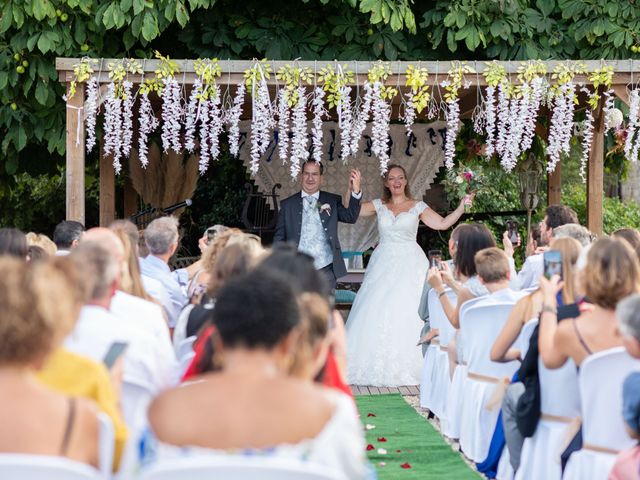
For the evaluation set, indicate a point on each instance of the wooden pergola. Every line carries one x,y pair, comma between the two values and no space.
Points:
233,73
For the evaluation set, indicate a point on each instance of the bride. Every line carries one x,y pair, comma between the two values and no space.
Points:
384,326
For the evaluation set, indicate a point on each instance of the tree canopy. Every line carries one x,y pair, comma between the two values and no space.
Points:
34,32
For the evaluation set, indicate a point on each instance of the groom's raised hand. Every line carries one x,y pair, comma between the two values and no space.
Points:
355,178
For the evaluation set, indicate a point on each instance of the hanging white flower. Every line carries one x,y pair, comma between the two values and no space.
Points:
262,122
587,137
632,126
612,116
192,116
300,139
490,120
204,117
409,115
381,112
112,127
530,114
147,123
362,117
433,109
345,122
283,125
171,115
127,118
453,125
319,111
561,125
233,120
503,118
216,126
91,111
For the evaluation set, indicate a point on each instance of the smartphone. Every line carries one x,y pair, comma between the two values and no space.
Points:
512,230
210,232
552,263
115,351
435,259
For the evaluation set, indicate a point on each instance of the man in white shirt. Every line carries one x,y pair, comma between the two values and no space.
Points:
161,237
97,328
66,236
555,216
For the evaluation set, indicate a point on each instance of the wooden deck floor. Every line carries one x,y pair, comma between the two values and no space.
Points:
369,390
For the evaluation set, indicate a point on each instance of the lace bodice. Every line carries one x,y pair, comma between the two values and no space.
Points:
398,228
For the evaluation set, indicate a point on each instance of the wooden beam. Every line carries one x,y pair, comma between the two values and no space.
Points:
75,209
595,175
554,186
130,198
107,198
622,93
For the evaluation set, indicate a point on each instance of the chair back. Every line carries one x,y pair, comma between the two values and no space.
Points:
600,380
136,397
479,327
185,346
106,444
44,467
185,361
525,336
438,318
239,468
559,392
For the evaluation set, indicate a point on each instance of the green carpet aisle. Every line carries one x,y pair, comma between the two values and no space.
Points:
414,449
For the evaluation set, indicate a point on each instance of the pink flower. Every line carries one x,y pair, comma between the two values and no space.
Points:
468,175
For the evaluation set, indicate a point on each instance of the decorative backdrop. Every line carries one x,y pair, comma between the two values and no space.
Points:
421,154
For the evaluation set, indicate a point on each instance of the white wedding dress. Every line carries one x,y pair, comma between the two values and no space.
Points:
383,326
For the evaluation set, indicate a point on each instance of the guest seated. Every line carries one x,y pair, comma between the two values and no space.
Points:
253,406
631,235
611,273
39,308
66,236
310,353
42,241
13,242
627,464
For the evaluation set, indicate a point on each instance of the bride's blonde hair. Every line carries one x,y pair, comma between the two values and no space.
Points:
386,193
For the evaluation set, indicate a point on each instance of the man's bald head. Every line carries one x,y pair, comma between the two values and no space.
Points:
107,239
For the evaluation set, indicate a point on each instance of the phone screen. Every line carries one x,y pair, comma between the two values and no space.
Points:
115,350
512,228
552,263
435,258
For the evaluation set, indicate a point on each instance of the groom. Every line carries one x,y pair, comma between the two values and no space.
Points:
310,219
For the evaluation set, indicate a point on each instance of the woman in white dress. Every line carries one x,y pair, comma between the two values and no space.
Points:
384,324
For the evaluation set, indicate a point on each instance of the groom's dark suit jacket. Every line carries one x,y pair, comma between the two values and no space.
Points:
290,222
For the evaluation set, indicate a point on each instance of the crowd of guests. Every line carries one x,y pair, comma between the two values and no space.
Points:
176,358
98,321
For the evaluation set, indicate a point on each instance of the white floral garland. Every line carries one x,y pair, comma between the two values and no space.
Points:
453,125
147,123
91,111
127,118
283,125
216,126
490,120
609,111
561,124
515,126
409,115
504,108
112,127
171,115
362,117
345,122
587,135
300,139
261,125
205,118
381,112
631,147
536,94
192,116
233,120
319,111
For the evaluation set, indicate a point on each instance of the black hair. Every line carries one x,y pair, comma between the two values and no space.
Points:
66,232
13,242
315,163
298,267
256,310
558,215
472,238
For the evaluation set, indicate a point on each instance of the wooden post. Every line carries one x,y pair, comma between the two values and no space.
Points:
75,155
107,188
595,175
554,189
130,198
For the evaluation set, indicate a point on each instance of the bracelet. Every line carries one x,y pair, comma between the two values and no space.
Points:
442,293
550,309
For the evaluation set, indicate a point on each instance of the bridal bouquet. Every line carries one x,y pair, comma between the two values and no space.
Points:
463,181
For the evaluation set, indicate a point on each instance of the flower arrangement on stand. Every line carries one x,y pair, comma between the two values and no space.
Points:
256,80
564,99
335,82
417,99
452,85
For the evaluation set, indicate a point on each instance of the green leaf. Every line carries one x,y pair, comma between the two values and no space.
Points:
18,16
182,15
11,165
149,26
20,138
138,6
42,93
125,5
44,44
451,41
546,6
5,20
4,79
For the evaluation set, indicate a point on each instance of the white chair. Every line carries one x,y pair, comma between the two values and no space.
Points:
238,468
480,326
560,408
185,347
185,361
525,336
603,431
106,444
43,467
136,397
